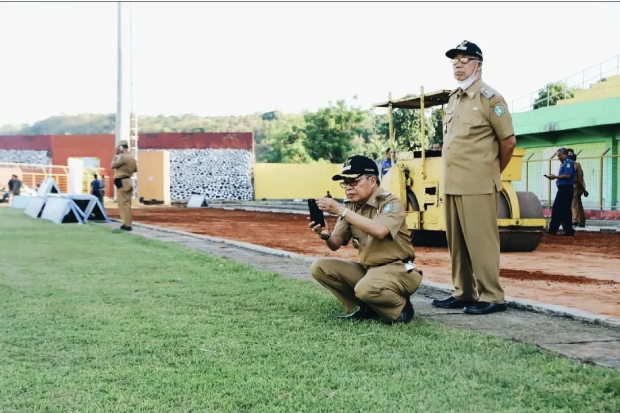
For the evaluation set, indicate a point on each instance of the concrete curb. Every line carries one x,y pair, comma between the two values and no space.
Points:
429,287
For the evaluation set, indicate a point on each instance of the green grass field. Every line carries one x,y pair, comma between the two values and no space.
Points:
92,320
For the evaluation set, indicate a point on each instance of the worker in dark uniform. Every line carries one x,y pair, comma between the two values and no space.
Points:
95,188
579,189
124,165
478,145
380,284
561,213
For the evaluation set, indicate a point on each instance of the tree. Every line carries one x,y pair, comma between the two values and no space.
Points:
437,117
407,128
555,91
330,131
288,147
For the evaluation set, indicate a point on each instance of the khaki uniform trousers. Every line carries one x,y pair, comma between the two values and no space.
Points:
384,288
473,241
123,196
578,215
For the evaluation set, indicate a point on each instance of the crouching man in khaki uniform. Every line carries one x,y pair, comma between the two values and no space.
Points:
380,284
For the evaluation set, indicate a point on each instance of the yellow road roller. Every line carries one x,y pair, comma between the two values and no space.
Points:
416,178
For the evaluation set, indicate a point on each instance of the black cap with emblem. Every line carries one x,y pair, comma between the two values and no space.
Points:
356,166
467,48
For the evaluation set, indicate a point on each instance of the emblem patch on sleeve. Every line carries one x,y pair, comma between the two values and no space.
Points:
388,208
499,110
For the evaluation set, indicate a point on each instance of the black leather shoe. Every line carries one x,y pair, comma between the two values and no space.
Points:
451,302
407,314
582,225
124,228
482,307
568,234
361,313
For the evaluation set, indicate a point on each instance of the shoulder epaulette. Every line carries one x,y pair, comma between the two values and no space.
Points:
487,92
384,195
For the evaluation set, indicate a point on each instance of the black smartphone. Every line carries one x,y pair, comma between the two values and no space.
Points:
316,215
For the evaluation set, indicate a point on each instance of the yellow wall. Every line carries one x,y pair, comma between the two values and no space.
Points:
295,181
154,176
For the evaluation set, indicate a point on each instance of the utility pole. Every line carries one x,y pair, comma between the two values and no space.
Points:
123,84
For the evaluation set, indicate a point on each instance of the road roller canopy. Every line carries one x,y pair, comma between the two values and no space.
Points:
437,98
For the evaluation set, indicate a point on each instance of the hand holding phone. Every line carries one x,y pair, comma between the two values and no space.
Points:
316,215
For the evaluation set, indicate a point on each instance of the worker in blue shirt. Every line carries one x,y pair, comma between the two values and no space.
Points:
95,188
561,214
387,163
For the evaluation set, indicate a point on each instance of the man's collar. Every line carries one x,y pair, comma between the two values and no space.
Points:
473,89
372,201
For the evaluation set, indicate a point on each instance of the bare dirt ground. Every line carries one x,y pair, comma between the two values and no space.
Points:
581,272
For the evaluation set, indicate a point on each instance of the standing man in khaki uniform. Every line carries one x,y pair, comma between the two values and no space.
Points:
380,284
579,189
124,166
478,144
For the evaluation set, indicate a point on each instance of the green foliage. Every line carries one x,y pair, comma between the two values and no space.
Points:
330,134
437,134
330,131
407,128
555,91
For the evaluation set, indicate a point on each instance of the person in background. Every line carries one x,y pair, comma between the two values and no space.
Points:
124,165
579,188
328,195
387,163
95,188
102,189
14,187
561,212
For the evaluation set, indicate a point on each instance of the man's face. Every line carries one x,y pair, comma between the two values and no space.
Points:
463,70
562,156
360,189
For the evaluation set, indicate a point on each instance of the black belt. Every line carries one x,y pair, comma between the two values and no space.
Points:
123,177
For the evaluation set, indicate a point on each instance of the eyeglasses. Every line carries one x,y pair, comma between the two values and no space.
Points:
351,182
463,60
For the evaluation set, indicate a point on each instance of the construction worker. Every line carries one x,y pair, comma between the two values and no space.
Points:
380,284
579,188
561,213
478,144
124,166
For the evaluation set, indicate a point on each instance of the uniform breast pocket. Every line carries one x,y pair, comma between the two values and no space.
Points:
472,120
446,123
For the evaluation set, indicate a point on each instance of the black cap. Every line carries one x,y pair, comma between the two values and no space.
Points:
355,166
467,48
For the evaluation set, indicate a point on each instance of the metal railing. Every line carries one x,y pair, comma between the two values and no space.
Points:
579,80
32,175
601,175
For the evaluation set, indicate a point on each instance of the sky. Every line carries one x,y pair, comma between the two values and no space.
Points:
214,59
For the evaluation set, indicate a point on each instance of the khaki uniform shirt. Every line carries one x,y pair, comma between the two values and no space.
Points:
475,121
580,185
387,209
124,165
